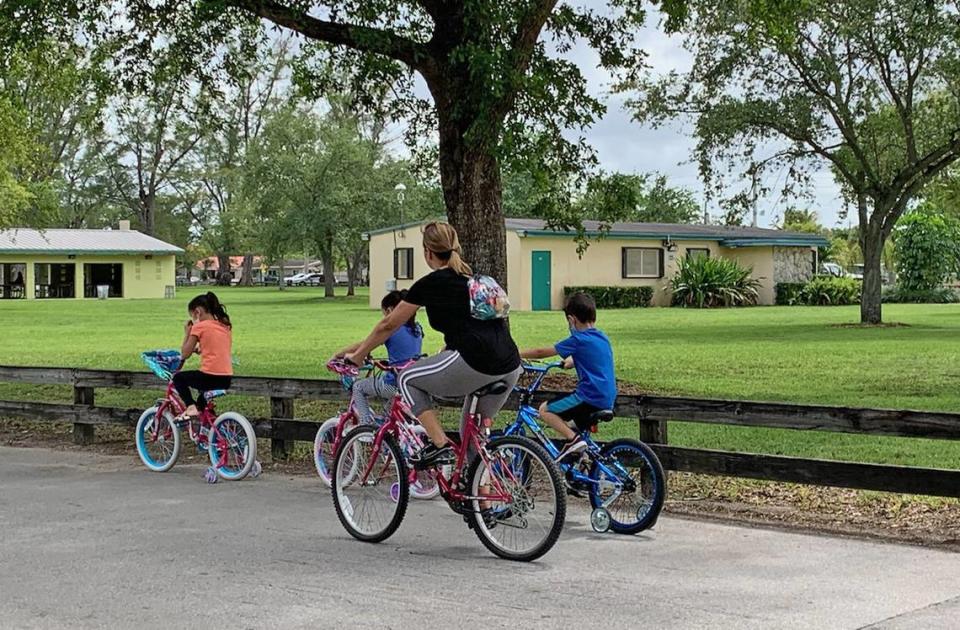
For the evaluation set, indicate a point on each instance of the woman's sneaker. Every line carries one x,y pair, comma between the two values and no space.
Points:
431,455
574,446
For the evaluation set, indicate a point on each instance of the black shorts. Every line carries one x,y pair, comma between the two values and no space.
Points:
573,409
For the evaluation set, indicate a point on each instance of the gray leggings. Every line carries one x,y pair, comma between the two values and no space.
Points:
447,375
365,388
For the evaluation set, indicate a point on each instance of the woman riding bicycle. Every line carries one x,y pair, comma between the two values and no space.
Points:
476,353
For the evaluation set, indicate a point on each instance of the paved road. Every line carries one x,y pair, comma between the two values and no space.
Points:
91,541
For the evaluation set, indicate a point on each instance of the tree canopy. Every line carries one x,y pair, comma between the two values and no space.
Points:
870,88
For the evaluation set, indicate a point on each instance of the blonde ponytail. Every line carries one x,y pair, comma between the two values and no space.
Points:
458,264
442,240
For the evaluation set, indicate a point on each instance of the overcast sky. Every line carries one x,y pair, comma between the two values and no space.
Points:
623,145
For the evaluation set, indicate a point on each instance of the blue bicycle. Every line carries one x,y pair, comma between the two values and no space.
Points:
623,478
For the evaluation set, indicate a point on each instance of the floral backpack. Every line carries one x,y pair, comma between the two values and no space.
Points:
488,300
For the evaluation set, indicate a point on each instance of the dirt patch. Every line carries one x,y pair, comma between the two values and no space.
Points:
891,517
568,382
884,325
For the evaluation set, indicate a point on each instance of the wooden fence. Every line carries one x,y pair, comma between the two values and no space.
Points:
653,414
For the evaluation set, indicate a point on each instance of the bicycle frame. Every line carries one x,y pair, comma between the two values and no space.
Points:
527,420
475,434
171,402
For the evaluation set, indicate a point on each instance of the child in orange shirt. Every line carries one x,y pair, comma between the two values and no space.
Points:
209,334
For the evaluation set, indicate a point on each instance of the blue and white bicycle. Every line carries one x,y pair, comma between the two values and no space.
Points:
623,478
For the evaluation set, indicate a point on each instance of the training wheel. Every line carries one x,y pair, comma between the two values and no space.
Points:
210,475
256,470
600,520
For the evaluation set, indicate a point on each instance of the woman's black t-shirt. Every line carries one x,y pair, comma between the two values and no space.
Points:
486,345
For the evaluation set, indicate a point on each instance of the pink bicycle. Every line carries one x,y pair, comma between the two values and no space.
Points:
331,432
508,489
229,438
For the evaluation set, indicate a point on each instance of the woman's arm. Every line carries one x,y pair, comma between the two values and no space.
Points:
539,353
348,350
401,313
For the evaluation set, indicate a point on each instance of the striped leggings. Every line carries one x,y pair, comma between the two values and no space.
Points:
366,388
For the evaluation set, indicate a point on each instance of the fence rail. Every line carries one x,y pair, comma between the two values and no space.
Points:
653,414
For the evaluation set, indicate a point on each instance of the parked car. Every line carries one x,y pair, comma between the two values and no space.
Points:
833,269
301,279
856,272
183,281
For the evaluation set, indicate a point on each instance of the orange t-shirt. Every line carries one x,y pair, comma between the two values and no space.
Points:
216,341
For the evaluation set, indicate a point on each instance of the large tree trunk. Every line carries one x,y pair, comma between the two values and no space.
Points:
871,243
281,285
246,273
350,290
329,282
470,177
224,277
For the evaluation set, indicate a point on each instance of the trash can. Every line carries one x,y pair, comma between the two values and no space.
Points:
103,291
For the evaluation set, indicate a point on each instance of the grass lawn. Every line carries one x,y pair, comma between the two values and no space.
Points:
795,354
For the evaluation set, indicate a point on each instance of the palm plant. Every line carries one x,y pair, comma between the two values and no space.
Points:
703,282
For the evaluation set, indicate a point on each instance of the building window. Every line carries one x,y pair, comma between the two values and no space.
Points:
403,263
697,252
642,262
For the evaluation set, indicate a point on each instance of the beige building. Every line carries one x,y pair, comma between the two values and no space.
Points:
77,264
541,262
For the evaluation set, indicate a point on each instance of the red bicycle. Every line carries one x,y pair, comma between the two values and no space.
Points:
330,434
508,489
228,438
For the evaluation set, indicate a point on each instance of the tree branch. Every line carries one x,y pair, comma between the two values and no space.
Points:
362,38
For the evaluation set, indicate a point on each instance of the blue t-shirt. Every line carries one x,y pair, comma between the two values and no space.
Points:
593,359
402,346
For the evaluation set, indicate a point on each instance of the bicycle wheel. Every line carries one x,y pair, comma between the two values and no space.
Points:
638,506
426,486
158,440
232,446
370,490
323,448
529,524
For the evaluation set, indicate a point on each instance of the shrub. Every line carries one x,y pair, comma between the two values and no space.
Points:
790,293
928,249
703,282
938,295
831,291
615,297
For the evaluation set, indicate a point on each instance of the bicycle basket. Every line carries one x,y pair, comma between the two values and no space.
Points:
163,363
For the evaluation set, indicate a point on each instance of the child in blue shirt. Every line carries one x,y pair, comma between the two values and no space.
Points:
588,350
403,345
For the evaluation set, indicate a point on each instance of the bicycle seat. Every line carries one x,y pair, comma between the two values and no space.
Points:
215,393
492,389
604,415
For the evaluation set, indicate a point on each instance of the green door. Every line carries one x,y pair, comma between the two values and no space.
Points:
541,281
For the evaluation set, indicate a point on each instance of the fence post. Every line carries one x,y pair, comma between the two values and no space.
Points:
651,431
280,408
83,434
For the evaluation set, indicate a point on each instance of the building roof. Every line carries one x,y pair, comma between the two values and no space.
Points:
30,241
727,235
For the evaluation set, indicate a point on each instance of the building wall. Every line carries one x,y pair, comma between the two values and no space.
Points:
793,264
600,265
381,260
761,260
142,277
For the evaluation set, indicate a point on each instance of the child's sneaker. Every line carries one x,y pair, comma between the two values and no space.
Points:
572,447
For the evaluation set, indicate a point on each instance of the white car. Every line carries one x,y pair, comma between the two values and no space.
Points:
833,269
303,278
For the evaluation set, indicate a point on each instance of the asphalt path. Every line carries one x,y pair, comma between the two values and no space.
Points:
95,541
